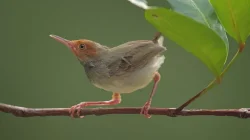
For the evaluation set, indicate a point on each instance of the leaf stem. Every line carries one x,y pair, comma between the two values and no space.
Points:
212,83
231,62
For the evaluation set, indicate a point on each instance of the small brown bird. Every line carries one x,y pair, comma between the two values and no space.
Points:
122,69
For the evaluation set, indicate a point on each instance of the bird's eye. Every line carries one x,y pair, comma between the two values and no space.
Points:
82,46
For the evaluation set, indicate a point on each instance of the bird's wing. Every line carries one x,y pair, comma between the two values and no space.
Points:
132,55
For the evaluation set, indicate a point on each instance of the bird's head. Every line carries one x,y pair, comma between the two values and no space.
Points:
83,49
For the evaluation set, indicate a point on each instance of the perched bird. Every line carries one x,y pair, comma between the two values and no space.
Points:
122,69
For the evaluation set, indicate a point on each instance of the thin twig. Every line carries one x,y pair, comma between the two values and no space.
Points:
32,112
212,83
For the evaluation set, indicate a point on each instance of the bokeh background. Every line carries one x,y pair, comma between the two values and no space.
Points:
36,71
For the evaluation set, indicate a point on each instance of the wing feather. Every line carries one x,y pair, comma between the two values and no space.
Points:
132,55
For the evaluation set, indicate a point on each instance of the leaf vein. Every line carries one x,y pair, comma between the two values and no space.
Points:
235,27
202,15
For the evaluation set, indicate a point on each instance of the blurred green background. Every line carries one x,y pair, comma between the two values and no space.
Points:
36,71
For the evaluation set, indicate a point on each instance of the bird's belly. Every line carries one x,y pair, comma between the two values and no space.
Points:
133,81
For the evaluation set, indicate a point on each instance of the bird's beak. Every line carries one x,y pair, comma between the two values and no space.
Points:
66,42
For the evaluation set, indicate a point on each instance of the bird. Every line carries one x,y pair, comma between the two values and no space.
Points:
122,69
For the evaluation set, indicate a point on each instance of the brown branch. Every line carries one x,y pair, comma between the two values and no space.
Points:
31,112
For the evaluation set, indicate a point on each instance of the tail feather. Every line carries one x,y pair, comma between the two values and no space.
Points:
158,38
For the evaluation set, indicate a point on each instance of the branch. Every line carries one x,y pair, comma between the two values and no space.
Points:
31,112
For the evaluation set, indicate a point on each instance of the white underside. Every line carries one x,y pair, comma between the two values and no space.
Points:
136,80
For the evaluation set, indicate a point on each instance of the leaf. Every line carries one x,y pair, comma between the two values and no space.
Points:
140,3
234,15
210,46
193,36
201,11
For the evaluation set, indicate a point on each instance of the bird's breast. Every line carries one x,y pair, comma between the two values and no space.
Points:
126,83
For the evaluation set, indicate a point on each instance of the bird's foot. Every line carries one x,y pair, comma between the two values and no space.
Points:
75,110
145,108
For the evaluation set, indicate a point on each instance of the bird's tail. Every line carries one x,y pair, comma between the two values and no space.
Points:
158,38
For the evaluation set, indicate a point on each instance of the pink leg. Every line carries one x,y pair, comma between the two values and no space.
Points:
146,106
116,99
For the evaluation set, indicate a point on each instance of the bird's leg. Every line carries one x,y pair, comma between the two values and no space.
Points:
146,106
116,99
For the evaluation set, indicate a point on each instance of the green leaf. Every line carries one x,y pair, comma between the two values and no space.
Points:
193,36
234,15
201,11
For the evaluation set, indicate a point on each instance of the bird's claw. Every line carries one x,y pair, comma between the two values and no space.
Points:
144,110
75,110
